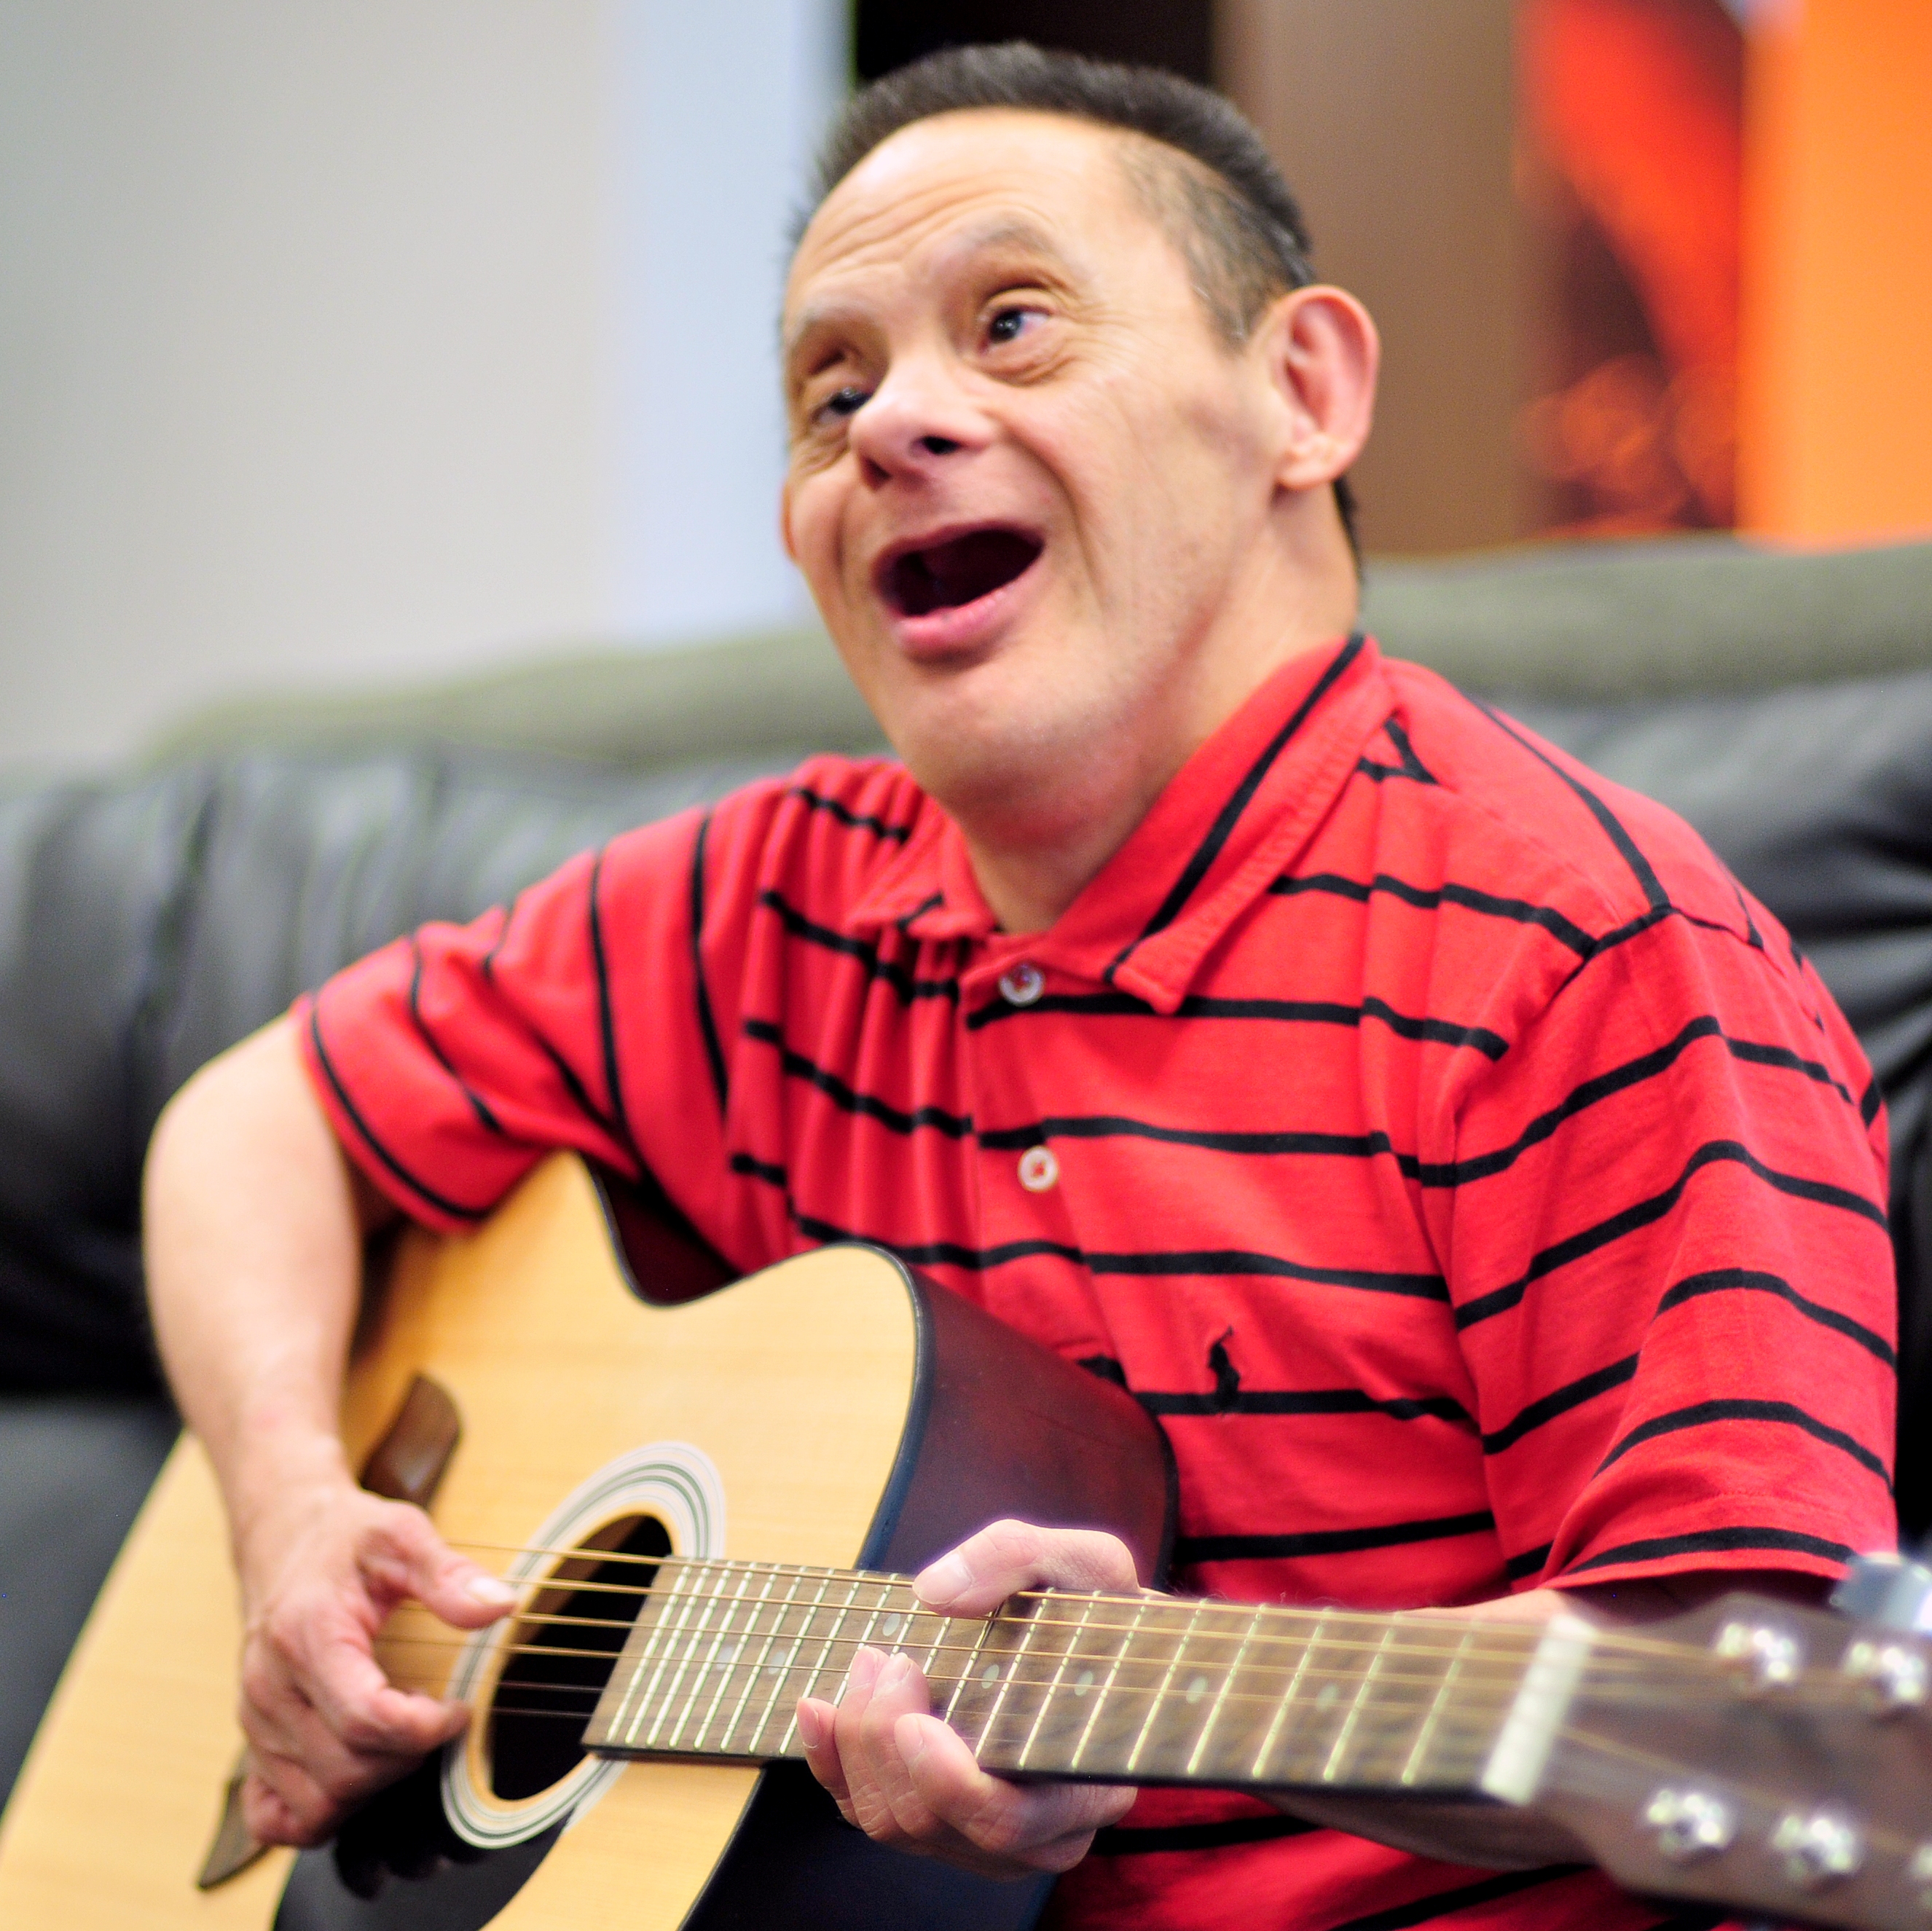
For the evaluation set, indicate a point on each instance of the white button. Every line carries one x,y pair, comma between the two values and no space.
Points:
1038,1169
1022,984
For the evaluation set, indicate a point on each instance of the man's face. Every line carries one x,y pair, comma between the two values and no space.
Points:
1027,477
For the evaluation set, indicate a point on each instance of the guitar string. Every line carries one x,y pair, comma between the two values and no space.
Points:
1372,1622
1482,1700
1513,1649
1454,1767
1454,1771
1510,1642
1626,1642
1192,1638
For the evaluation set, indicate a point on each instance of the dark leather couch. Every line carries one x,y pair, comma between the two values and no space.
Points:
1783,705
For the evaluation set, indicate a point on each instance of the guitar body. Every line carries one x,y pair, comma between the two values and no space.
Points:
833,1410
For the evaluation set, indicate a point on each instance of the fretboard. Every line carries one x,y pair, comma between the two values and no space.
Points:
1143,1690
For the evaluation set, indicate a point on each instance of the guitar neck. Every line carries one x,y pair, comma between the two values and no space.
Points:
1143,1690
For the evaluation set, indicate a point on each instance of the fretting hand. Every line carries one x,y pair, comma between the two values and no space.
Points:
905,1779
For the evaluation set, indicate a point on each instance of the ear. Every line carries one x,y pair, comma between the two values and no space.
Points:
1321,353
784,519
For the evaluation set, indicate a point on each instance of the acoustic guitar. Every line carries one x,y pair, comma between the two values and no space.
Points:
709,1499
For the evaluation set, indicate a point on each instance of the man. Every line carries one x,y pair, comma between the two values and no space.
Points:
1473,1180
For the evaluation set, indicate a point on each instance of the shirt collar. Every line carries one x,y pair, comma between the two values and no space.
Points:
1229,822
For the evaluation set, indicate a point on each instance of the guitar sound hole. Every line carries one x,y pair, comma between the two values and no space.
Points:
545,1695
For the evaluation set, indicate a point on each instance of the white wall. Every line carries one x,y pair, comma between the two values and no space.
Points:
375,338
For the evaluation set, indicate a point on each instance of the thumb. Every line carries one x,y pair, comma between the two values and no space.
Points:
416,1561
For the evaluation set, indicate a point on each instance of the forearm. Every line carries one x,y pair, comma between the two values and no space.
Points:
254,1221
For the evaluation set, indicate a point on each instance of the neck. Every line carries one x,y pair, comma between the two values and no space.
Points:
1038,838
1141,1689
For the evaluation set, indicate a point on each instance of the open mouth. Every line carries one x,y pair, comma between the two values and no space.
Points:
959,571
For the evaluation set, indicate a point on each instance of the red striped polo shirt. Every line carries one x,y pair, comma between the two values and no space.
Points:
1471,1178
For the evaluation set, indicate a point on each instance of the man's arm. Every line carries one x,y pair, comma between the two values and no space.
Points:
254,1223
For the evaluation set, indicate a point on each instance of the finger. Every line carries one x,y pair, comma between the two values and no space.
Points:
886,1802
819,1724
402,1555
975,1577
817,1732
306,1762
1046,1826
281,1804
326,1663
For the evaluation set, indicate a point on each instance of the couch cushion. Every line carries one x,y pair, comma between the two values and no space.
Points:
146,926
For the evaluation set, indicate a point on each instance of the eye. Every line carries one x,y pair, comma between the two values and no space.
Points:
847,401
1008,325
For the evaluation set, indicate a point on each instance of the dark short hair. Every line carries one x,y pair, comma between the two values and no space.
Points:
1232,216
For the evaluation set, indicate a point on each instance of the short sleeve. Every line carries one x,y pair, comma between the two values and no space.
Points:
452,1060
1670,1270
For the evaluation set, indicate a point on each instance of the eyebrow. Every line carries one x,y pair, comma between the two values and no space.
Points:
1006,231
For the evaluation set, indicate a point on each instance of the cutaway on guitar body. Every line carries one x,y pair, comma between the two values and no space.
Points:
835,1412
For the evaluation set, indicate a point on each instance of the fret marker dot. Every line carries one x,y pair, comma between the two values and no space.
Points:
1197,1689
1083,1683
729,1654
1326,1701
892,1625
991,1673
781,1661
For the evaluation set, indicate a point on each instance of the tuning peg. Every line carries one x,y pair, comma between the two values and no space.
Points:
1887,1588
1818,1849
1918,1873
1770,1657
1894,1676
1689,1823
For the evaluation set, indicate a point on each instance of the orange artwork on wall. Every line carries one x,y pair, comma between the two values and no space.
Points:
1631,169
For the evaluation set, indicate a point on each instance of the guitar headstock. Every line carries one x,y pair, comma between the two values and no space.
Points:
1758,1755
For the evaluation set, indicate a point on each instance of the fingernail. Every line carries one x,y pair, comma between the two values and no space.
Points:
909,1733
864,1670
939,1582
491,1590
894,1672
811,1726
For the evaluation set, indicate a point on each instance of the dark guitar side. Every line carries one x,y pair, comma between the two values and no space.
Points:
996,1425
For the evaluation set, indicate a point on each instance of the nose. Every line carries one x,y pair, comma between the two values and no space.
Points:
917,418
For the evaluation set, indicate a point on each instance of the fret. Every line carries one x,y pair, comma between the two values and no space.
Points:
636,1654
825,1666
967,1671
905,1605
1475,1683
1325,1705
782,1669
937,1674
1084,1685
1073,1646
820,1668
1012,1670
751,1672
1228,1676
1285,1707
1338,1753
682,1591
709,1598
1159,1708
1425,1735
723,1660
